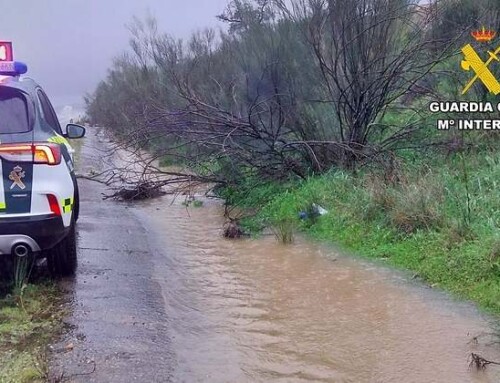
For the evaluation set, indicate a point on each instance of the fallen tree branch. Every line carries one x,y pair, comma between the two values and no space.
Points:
479,363
137,192
90,178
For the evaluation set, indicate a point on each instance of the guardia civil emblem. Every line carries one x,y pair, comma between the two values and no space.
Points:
16,176
473,62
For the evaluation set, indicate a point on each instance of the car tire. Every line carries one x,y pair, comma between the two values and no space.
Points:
62,259
6,273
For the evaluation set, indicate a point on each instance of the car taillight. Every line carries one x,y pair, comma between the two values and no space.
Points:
38,153
47,154
54,205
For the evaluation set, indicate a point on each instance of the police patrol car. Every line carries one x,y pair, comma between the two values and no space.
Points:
39,202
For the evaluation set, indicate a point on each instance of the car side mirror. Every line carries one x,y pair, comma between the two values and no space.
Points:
75,131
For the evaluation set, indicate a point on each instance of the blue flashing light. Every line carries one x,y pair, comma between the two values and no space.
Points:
20,67
12,68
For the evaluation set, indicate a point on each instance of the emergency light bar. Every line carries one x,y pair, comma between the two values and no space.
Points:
9,67
12,68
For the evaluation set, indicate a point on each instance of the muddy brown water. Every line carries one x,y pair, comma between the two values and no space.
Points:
258,311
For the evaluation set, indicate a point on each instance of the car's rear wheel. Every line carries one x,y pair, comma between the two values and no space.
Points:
6,273
62,259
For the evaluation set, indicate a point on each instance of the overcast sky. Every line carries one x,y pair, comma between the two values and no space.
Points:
69,44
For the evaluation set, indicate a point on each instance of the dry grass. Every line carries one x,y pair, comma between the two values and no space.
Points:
284,230
408,206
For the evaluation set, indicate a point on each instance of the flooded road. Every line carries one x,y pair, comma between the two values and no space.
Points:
160,296
258,311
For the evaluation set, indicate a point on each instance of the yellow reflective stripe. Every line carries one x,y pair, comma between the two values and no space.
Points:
3,205
58,140
67,205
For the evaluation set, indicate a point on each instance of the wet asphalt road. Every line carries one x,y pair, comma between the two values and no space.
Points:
117,327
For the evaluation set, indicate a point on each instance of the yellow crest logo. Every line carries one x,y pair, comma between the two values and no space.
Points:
472,61
16,176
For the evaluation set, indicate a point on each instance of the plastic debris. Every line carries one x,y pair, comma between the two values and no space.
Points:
318,210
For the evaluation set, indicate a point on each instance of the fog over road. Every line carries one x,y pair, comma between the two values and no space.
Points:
160,296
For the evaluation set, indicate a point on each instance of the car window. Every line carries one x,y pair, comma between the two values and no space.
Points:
13,112
49,115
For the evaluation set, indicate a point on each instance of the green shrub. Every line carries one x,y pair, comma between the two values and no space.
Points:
284,230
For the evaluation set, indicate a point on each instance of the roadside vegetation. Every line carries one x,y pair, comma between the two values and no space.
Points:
30,317
325,103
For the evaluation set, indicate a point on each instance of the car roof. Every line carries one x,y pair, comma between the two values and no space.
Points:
25,84
39,131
